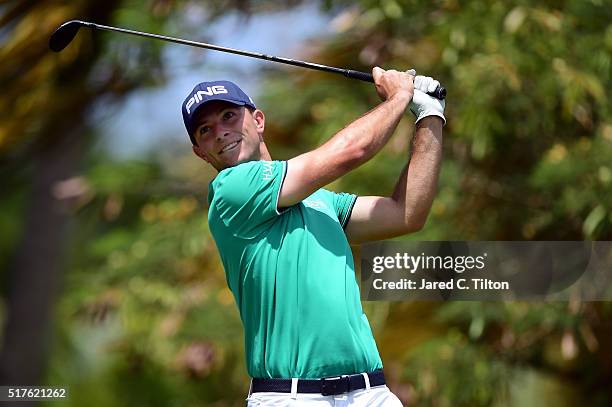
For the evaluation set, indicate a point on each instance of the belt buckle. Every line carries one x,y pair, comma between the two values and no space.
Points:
331,386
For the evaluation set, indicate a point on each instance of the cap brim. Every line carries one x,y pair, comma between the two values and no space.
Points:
214,100
197,109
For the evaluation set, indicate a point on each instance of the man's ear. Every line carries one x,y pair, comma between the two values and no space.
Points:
260,121
200,153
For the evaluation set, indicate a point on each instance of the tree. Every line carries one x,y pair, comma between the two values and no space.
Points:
45,123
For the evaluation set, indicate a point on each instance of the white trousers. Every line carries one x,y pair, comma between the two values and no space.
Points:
377,396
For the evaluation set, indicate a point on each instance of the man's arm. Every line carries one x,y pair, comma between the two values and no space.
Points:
406,210
353,145
378,218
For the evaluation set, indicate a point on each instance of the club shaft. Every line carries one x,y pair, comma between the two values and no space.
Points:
222,49
439,93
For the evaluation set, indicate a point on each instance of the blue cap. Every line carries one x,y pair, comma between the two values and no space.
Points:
208,91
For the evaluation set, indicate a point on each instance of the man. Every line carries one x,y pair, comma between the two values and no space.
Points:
284,241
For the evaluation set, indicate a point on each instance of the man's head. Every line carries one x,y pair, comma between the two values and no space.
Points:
224,125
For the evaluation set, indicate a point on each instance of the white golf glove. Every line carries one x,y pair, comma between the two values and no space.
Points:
423,105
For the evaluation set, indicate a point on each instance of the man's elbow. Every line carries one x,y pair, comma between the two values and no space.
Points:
351,157
350,154
413,224
413,227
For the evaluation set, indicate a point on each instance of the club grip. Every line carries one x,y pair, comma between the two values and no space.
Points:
438,93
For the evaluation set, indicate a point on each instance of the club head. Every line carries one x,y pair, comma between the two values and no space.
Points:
64,34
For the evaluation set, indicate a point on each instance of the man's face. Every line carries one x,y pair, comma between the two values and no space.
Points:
227,134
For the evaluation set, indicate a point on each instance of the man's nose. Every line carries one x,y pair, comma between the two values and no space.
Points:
221,133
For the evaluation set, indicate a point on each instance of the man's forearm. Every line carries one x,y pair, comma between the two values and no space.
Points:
417,185
364,137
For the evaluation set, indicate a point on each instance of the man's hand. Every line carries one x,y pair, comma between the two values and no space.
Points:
423,105
392,83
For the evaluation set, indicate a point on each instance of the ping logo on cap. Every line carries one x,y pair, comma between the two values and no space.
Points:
199,95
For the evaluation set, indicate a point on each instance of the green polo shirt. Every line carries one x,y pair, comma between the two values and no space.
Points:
292,275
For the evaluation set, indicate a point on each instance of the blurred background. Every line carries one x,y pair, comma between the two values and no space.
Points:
110,283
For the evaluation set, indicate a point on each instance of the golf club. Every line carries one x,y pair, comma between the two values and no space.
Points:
66,32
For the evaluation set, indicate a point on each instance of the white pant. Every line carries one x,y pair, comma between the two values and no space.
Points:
377,396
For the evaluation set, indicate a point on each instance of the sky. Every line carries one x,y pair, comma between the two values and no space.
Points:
128,128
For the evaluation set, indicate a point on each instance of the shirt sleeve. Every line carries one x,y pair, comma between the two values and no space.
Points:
343,206
246,196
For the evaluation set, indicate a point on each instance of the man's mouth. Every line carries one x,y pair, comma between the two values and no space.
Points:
229,147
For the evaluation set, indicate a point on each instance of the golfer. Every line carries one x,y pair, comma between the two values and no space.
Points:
284,240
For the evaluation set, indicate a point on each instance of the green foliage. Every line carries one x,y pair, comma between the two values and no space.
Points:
505,354
452,371
147,300
10,209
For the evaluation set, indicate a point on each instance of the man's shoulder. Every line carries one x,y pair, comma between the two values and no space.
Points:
240,178
231,174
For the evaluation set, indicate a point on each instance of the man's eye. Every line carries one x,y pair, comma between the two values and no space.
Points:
228,115
204,129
